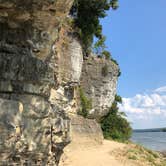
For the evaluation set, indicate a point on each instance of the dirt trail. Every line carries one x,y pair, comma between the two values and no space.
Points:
93,155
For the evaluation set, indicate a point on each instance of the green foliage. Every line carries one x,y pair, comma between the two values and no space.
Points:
114,4
70,21
116,63
104,70
132,157
86,104
137,152
106,54
114,125
99,46
118,99
87,14
119,74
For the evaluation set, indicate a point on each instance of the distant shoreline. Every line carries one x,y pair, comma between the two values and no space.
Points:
150,130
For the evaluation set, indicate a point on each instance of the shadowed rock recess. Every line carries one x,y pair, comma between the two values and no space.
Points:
40,69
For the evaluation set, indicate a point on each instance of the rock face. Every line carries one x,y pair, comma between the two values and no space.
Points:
41,64
31,131
85,131
34,127
70,60
99,80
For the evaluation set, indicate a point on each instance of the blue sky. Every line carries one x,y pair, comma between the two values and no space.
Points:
136,37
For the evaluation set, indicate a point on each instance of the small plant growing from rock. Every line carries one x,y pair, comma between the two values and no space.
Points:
86,104
116,63
106,54
133,157
99,46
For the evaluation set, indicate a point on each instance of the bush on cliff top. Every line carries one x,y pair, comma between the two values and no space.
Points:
114,125
87,14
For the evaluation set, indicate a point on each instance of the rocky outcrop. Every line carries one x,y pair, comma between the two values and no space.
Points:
33,129
70,59
41,64
85,131
99,81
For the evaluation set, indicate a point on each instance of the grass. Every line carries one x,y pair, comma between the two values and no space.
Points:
86,104
132,157
137,152
140,156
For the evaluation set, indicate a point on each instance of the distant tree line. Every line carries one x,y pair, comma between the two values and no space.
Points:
150,130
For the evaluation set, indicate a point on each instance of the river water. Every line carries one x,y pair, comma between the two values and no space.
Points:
152,140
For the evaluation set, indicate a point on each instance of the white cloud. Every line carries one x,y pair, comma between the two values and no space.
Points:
145,106
161,89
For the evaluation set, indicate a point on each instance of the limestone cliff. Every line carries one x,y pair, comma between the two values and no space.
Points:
99,81
41,64
33,129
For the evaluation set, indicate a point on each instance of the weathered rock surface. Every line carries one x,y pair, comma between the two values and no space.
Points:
99,81
85,131
70,59
32,132
41,63
34,127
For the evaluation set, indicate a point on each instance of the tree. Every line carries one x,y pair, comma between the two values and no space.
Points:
114,4
114,125
87,14
99,46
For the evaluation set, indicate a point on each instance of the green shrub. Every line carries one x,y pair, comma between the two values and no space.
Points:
99,46
87,15
114,4
114,125
118,99
116,63
132,157
104,71
106,54
70,21
119,73
86,104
